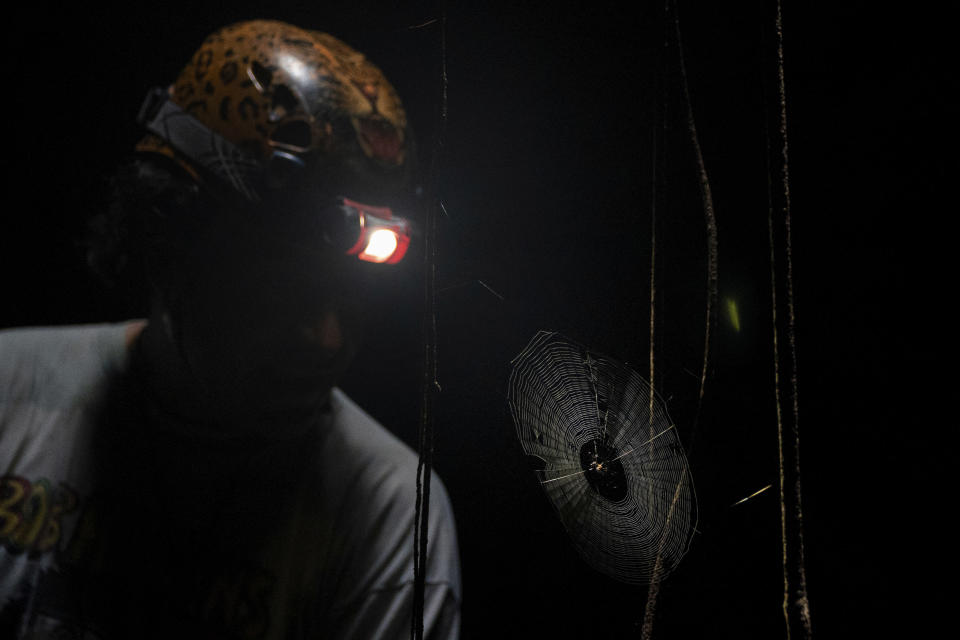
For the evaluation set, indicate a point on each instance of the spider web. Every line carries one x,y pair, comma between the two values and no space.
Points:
607,456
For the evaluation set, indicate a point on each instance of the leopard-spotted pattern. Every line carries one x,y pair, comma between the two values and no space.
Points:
267,85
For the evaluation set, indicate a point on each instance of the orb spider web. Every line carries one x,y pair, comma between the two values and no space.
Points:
607,455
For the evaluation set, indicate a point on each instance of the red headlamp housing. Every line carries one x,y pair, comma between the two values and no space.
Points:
382,238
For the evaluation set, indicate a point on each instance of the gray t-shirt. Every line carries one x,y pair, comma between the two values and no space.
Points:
110,528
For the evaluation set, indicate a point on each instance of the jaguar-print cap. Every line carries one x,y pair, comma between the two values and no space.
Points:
267,87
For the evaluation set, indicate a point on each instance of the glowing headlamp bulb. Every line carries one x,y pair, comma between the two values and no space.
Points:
381,237
380,246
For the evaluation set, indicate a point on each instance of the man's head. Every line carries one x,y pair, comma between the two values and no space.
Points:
302,108
267,167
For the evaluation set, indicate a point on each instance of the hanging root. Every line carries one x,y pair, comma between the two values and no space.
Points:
654,588
795,599
431,385
708,211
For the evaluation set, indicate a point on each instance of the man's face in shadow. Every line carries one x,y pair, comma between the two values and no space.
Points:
268,317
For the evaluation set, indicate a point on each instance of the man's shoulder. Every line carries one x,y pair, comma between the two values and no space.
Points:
375,473
62,342
371,460
374,470
357,434
47,364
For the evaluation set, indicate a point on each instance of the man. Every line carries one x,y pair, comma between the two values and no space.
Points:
198,474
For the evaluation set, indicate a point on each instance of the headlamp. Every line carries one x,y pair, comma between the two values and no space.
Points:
378,235
371,233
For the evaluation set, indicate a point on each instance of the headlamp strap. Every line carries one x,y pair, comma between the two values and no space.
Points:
200,144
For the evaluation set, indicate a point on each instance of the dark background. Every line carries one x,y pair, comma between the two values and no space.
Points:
547,181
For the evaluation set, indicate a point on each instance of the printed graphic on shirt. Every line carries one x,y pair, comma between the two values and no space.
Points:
66,603
87,593
31,514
